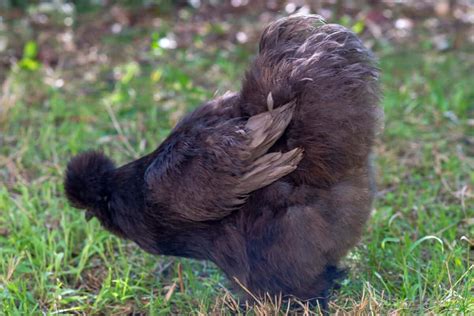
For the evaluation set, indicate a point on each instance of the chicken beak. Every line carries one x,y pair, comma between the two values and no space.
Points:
88,215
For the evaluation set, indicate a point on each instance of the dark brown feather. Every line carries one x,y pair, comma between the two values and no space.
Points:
271,183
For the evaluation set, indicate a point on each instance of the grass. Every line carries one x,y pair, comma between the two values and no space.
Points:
416,255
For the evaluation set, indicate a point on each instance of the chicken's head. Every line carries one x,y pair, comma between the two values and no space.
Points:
86,186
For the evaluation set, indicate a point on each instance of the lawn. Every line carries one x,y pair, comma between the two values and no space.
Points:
417,252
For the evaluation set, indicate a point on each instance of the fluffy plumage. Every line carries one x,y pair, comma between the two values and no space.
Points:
271,183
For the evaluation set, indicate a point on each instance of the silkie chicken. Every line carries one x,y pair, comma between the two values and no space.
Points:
273,183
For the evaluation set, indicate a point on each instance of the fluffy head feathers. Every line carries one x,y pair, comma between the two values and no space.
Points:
85,182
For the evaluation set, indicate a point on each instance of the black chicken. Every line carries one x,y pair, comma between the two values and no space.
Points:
271,183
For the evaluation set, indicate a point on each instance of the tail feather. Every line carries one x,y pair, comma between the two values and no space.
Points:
333,78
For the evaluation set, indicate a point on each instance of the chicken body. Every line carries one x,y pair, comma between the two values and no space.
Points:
271,183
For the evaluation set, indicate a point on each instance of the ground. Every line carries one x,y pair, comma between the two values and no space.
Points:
416,255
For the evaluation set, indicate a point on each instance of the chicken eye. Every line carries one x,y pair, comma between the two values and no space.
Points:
88,215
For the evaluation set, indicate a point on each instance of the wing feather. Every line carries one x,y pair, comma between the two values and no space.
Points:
207,169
